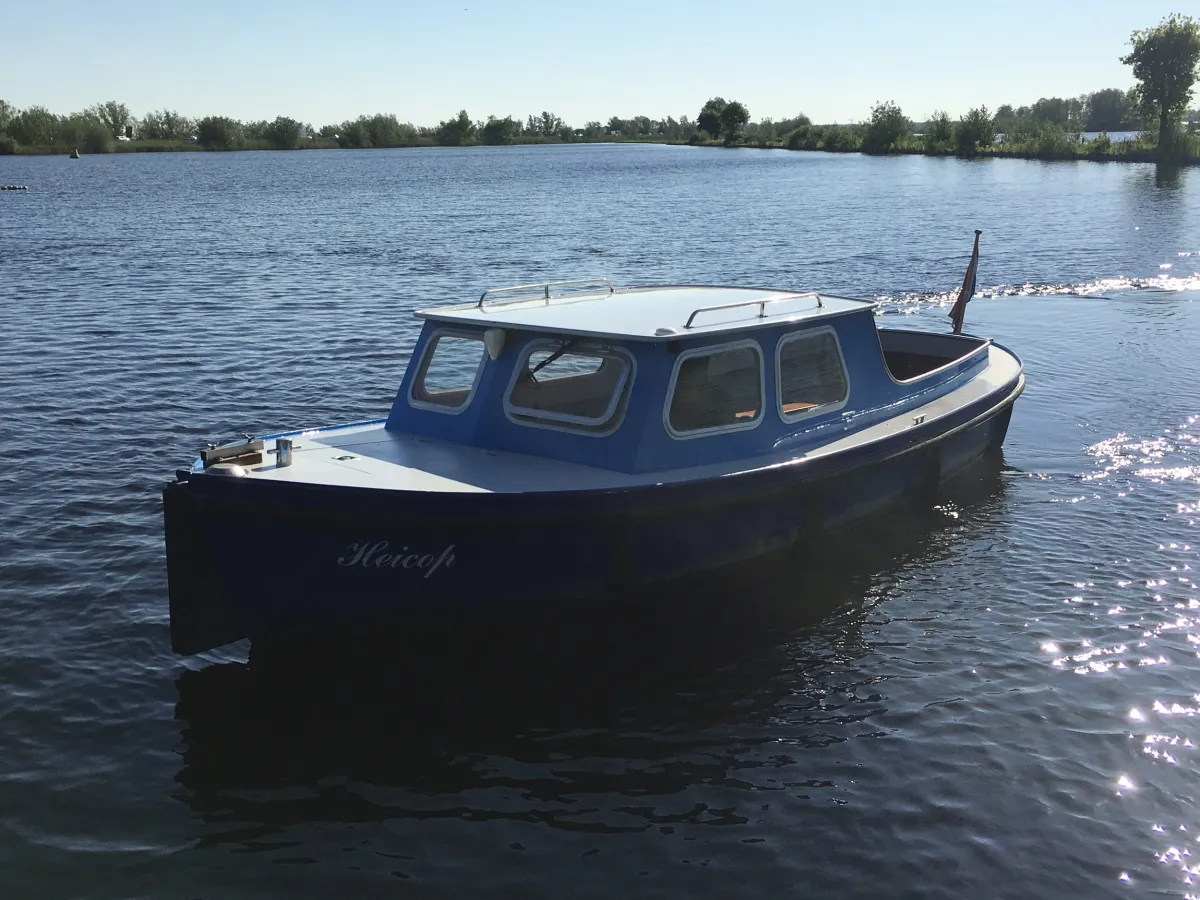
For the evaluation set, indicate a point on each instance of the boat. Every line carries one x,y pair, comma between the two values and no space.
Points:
561,442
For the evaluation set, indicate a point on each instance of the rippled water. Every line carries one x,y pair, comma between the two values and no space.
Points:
995,697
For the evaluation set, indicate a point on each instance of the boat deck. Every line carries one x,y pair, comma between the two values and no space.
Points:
369,456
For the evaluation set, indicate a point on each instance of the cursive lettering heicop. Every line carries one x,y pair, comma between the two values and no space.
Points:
373,556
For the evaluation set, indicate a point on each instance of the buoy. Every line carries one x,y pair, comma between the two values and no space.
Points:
13,187
75,153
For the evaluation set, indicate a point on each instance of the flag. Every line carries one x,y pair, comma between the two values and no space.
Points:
968,288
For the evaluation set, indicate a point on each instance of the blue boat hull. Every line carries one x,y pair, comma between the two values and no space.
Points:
250,559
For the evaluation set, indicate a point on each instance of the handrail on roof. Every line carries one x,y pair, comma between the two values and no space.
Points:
761,304
545,288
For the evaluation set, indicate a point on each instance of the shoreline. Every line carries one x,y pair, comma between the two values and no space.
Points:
991,152
157,146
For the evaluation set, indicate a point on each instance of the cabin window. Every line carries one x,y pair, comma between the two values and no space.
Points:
566,385
810,374
716,389
449,372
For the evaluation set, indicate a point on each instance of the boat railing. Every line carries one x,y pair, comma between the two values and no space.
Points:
546,289
761,304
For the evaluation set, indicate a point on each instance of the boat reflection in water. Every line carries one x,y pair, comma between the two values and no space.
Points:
517,724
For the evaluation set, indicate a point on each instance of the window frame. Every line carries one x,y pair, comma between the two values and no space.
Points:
423,367
712,350
803,334
614,413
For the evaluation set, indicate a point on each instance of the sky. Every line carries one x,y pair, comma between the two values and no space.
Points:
325,62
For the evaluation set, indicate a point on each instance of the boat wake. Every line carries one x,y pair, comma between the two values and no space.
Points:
1168,280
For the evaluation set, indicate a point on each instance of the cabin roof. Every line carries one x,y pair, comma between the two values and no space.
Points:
643,313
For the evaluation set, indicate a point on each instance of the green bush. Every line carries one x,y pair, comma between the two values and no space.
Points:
283,133
804,137
839,139
219,133
354,134
98,139
1102,143
456,132
888,128
1052,139
72,131
34,127
1020,131
8,146
499,131
977,128
939,131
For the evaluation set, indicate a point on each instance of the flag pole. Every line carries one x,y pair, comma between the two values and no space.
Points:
958,310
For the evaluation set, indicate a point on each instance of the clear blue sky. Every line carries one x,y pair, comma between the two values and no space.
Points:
324,62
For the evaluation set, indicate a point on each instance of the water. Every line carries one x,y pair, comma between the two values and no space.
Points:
993,697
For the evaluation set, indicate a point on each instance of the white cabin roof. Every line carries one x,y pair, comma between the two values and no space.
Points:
644,313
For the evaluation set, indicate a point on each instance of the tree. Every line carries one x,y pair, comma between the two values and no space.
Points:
734,117
76,131
1005,117
783,126
1164,62
219,133
888,127
284,133
165,125
34,126
1050,109
8,112
499,131
939,130
839,139
457,131
710,116
99,138
803,137
354,134
1077,114
976,128
115,116
379,130
1108,110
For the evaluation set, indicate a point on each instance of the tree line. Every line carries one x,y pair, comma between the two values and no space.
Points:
1163,59
102,127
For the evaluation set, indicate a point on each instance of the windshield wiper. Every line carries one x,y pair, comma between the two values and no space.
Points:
551,358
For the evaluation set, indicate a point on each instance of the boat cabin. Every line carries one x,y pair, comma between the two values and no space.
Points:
653,378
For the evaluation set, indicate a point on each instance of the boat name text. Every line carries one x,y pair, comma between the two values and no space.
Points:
373,556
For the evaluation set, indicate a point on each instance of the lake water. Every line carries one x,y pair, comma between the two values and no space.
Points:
995,697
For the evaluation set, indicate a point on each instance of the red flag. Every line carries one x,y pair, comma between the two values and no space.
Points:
968,288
